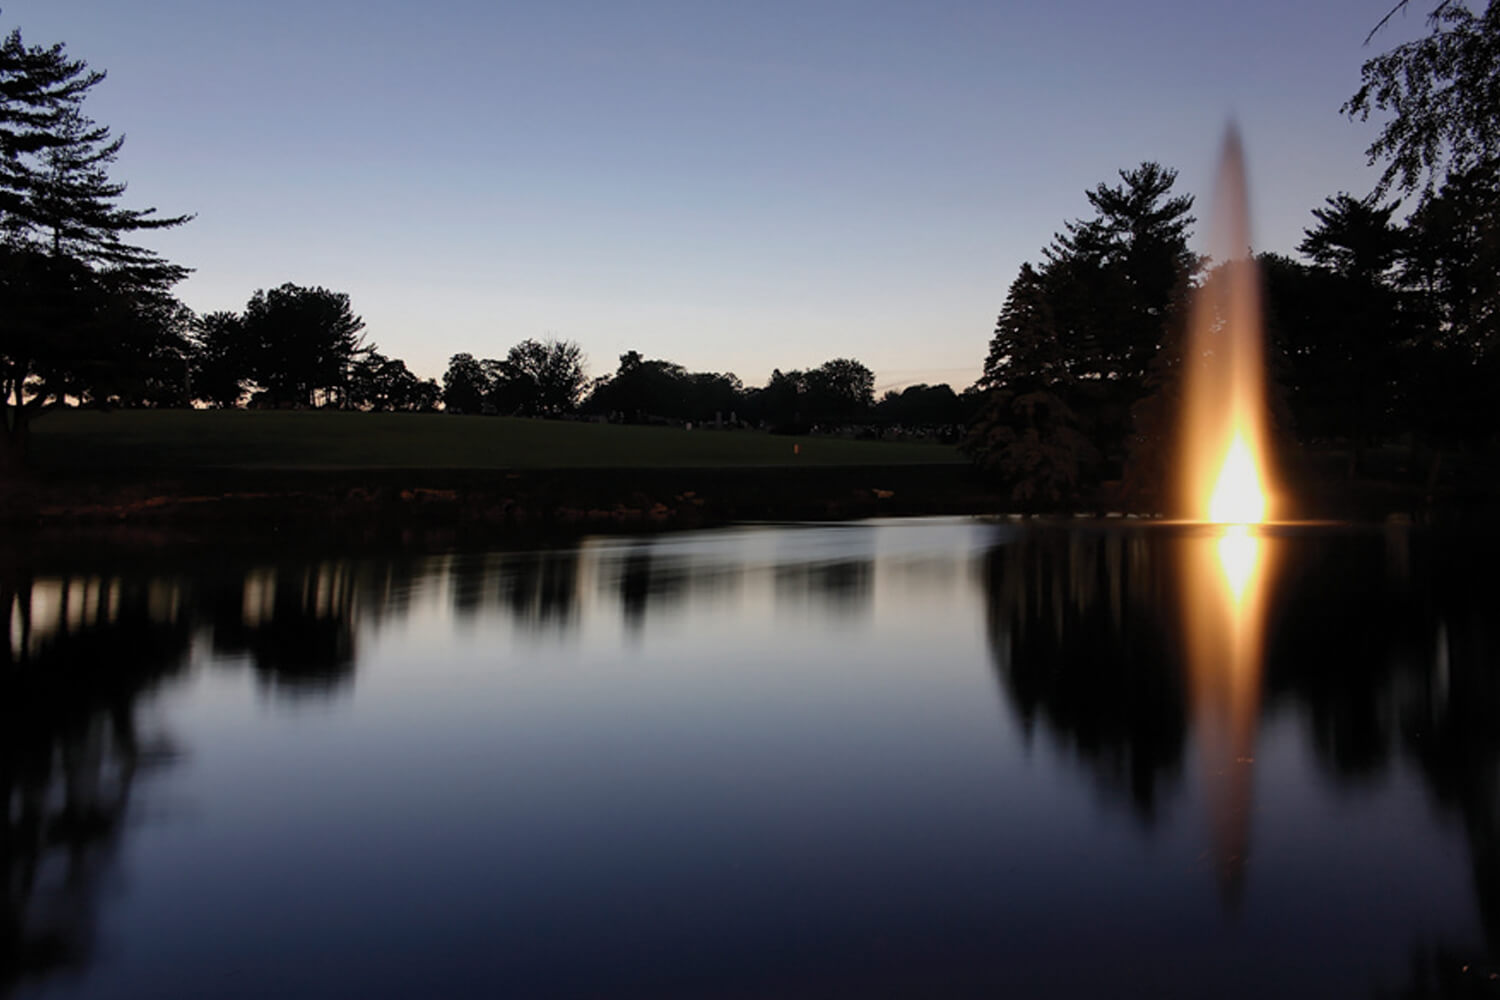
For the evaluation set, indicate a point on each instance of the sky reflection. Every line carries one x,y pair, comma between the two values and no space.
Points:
873,757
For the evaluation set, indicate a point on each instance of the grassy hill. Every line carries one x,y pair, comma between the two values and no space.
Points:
181,440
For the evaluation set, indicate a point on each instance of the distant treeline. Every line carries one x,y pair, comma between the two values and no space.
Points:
295,347
547,379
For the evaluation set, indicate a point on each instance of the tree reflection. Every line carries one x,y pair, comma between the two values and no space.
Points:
1341,629
645,582
1386,647
1081,643
78,655
1392,654
1382,646
842,587
294,622
657,576
536,589
540,588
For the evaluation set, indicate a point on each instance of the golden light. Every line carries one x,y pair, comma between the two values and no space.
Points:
1225,472
1226,476
1239,553
1237,496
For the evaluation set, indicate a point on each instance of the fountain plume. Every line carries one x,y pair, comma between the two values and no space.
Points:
1225,442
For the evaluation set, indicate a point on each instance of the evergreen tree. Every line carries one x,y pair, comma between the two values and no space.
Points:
1355,238
1352,357
38,87
1025,432
72,207
84,313
1076,339
1124,270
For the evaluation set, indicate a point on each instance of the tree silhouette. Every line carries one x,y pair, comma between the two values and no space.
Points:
1351,354
1025,432
1132,258
301,343
464,384
77,298
840,391
1304,323
71,205
781,401
921,406
641,388
377,382
1453,270
218,363
539,378
1454,257
1078,334
1354,238
1441,93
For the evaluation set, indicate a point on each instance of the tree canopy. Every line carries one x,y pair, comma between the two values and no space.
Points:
1442,97
1075,340
539,378
84,312
300,343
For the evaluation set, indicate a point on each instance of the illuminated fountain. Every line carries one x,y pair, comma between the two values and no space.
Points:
1225,440
1225,482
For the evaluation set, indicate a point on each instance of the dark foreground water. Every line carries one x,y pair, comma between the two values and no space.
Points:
931,758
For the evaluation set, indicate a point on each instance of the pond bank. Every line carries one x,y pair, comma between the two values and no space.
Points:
560,499
371,502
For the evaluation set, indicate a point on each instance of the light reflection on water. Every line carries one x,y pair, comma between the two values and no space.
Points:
916,758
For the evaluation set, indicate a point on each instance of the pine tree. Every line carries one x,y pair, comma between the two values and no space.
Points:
84,313
37,87
1075,342
72,207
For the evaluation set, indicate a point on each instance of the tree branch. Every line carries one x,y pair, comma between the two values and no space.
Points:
1401,5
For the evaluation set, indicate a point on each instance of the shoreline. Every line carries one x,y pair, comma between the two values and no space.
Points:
529,500
497,504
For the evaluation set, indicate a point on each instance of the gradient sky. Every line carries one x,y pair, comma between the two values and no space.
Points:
733,186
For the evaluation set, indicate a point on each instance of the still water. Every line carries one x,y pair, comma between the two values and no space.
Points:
921,758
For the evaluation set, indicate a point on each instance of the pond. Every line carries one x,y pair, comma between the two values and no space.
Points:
907,758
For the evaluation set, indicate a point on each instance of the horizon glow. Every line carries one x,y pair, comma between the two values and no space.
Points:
735,189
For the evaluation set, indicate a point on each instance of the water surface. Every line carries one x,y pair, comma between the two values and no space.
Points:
921,758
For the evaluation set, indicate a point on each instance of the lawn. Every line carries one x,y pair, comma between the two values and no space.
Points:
206,439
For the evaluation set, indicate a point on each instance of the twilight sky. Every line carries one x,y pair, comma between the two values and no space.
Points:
733,186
